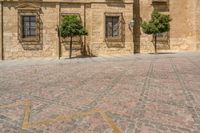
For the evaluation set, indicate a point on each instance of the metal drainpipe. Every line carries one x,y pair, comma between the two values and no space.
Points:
2,47
133,34
59,42
84,45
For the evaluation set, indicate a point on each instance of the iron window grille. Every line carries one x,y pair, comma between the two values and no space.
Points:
28,26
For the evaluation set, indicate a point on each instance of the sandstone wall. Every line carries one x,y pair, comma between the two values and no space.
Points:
14,49
72,9
183,26
1,46
197,8
146,44
98,45
92,16
184,33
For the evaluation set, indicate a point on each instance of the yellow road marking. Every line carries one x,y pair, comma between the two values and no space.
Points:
110,122
27,111
61,118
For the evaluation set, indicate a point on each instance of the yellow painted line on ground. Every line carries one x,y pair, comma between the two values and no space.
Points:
109,121
62,118
27,111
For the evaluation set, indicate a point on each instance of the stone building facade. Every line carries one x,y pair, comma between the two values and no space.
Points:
28,28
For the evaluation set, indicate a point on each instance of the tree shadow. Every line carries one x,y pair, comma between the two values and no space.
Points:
162,53
82,56
163,39
77,45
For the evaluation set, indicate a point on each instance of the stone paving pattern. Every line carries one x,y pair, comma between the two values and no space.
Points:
140,93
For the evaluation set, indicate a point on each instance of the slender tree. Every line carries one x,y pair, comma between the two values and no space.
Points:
159,23
71,26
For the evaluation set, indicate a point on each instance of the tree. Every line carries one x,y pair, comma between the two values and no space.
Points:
70,27
159,23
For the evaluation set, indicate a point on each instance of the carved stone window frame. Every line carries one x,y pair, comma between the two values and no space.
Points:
29,12
163,37
161,5
121,27
62,15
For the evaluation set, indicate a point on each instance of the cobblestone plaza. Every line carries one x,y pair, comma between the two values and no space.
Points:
129,94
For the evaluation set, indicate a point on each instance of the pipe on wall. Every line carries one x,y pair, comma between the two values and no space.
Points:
84,41
59,41
1,43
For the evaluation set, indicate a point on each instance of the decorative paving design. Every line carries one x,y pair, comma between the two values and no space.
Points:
27,112
128,94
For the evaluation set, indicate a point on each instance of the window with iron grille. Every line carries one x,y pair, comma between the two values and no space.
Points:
28,26
112,26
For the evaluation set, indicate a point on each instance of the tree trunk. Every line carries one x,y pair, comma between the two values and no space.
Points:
70,49
155,45
59,44
84,47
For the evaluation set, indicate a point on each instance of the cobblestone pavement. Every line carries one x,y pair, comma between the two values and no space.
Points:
127,94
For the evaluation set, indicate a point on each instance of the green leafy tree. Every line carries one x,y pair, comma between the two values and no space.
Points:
71,26
159,23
